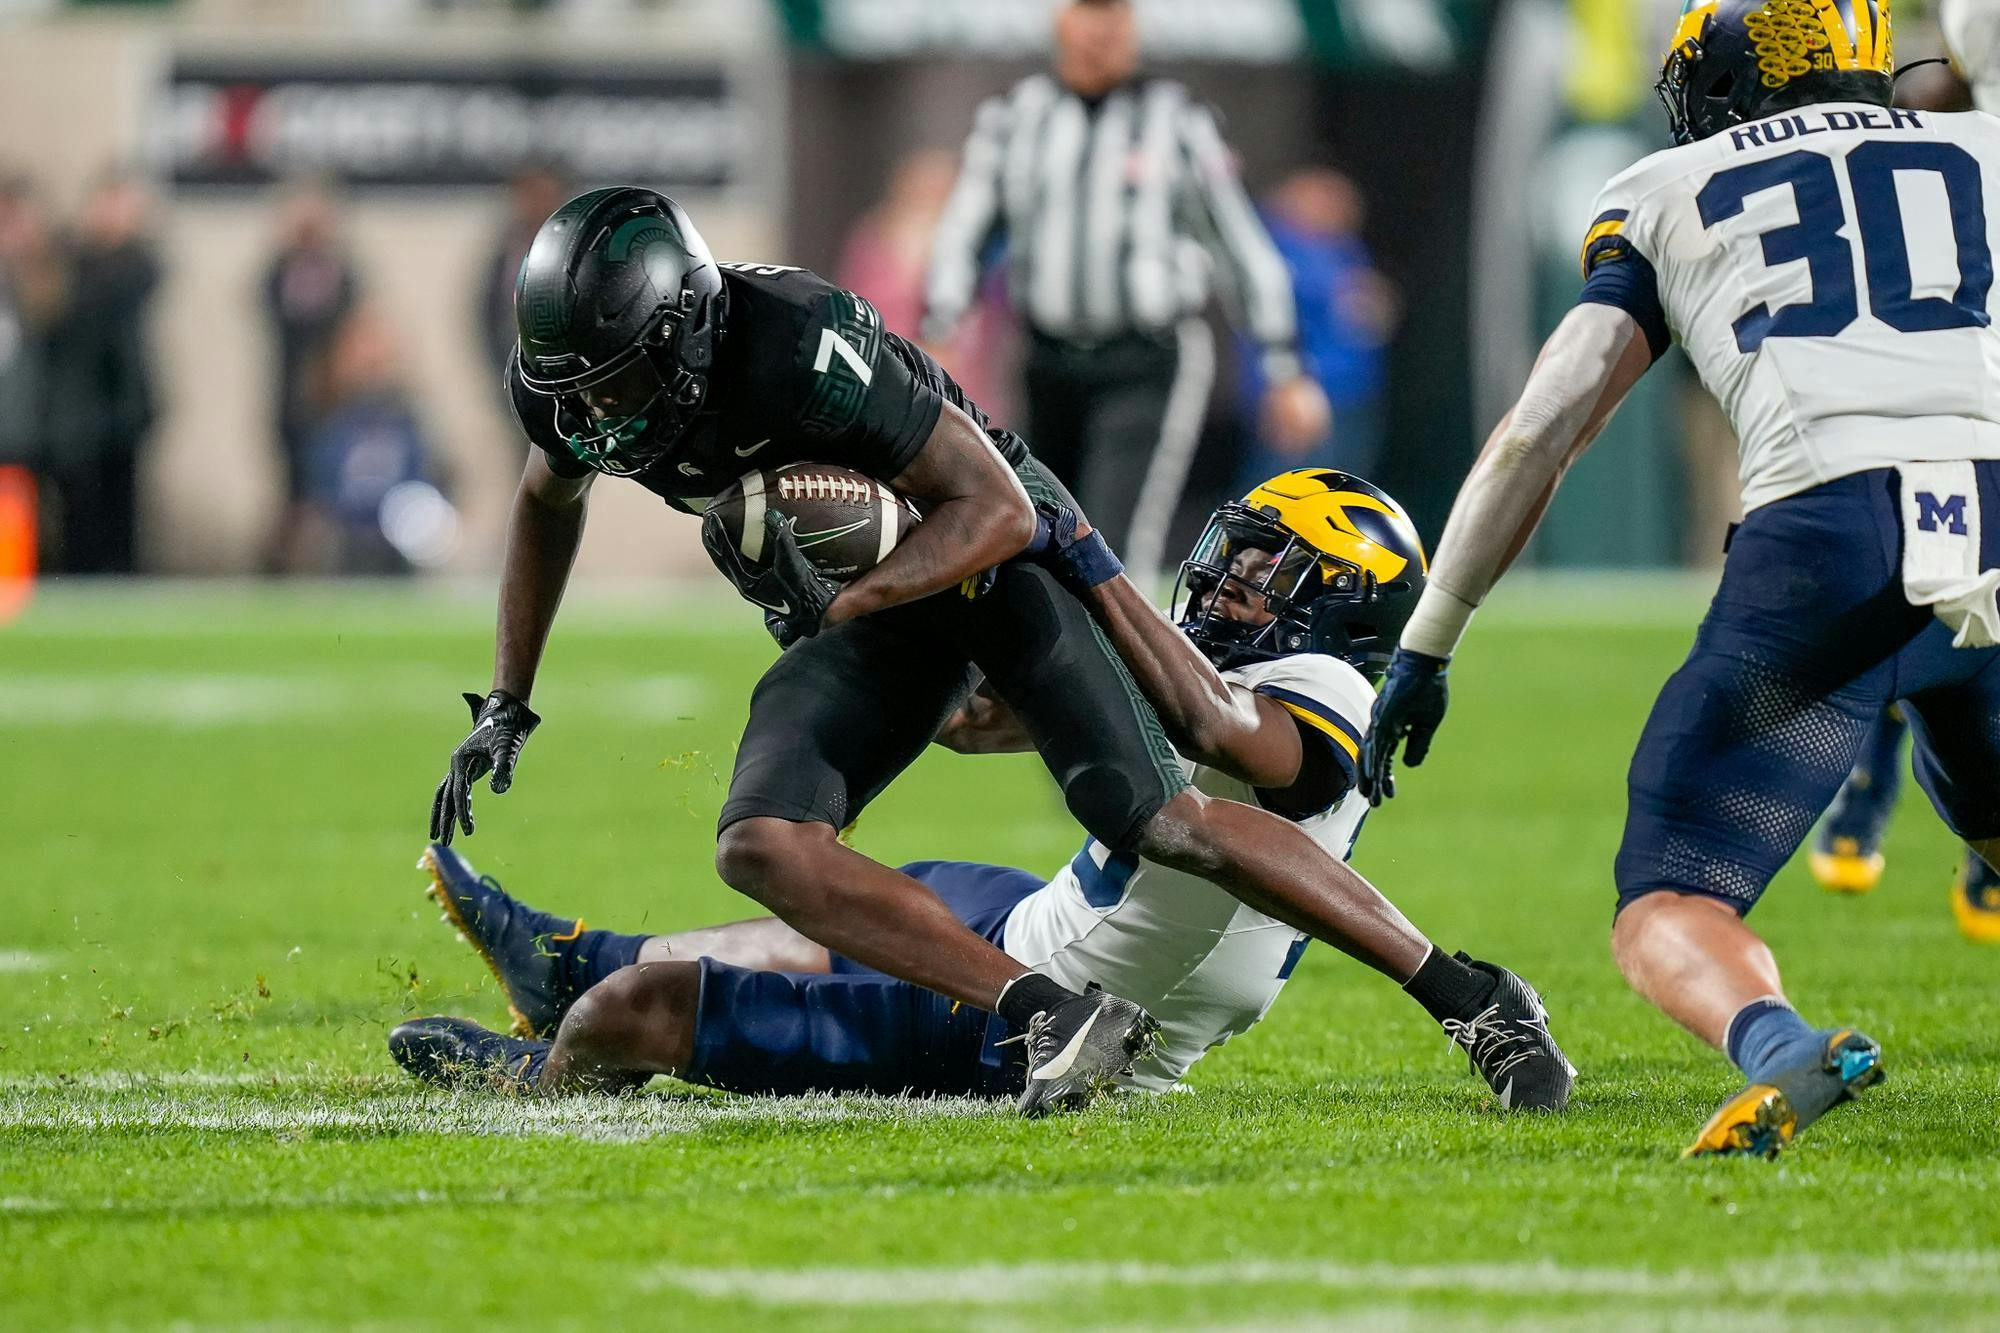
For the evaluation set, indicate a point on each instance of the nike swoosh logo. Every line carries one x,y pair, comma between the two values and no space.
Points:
826,535
1066,1057
745,453
782,608
1507,1096
481,727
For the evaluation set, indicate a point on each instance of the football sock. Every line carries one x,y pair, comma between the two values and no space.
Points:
1447,988
1767,1035
1029,994
593,955
1882,756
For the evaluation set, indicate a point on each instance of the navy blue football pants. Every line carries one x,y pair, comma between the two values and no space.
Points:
1809,637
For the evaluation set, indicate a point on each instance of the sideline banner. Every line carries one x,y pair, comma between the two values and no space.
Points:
235,122
1419,35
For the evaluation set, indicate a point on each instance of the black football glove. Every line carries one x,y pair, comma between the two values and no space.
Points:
501,725
1078,563
1409,709
794,595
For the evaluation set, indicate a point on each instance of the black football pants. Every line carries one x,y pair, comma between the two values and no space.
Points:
838,716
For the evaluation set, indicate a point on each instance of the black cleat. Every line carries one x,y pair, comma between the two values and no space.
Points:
518,943
1509,1045
458,1053
1078,1048
1763,1118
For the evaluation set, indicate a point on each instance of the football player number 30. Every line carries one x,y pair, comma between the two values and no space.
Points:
1872,169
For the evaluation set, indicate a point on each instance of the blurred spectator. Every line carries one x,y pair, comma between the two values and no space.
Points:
372,504
534,193
1347,313
98,381
31,289
309,287
885,259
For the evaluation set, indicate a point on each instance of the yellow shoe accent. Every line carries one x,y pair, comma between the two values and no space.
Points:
1980,923
438,894
1844,869
1756,1120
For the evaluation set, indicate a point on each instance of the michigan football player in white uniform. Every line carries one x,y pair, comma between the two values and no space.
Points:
1846,851
1826,261
1288,605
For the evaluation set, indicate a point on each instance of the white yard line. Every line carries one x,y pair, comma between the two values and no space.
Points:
1971,1273
194,700
148,1106
127,1081
17,960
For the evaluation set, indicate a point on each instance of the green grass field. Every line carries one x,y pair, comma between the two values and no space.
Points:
211,803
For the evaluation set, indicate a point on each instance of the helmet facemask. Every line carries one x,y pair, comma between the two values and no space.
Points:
1701,102
1244,559
622,417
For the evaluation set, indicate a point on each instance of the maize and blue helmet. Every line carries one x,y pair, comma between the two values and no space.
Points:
1737,60
1336,562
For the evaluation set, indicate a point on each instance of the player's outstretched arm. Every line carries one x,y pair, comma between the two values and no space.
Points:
976,516
1584,371
1214,723
543,533
1208,720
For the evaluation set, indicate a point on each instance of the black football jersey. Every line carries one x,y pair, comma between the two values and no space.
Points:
804,373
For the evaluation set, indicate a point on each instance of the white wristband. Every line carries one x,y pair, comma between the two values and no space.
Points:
1438,623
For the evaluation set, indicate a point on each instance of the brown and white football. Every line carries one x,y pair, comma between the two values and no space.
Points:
846,523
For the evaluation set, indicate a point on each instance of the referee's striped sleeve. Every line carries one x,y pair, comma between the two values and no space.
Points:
971,217
1263,285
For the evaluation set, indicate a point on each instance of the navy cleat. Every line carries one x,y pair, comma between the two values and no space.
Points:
458,1053
1764,1117
1509,1045
518,943
1079,1048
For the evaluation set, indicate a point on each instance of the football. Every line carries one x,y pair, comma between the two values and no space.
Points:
846,523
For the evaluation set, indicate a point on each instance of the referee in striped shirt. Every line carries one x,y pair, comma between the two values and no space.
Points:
1119,202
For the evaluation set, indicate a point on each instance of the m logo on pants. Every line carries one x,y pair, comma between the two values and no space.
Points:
1951,513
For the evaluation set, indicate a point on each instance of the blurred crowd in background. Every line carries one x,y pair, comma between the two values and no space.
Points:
79,391
1423,200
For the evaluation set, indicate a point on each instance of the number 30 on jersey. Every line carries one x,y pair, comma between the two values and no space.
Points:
1872,170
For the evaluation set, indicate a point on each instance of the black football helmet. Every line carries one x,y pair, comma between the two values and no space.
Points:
1736,60
1333,558
618,306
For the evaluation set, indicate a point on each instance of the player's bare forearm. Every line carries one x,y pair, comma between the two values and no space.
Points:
1584,371
976,516
543,533
1207,719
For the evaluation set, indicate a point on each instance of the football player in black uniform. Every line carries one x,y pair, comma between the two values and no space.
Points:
641,357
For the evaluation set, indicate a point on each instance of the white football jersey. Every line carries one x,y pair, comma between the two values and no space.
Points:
1829,271
1203,964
